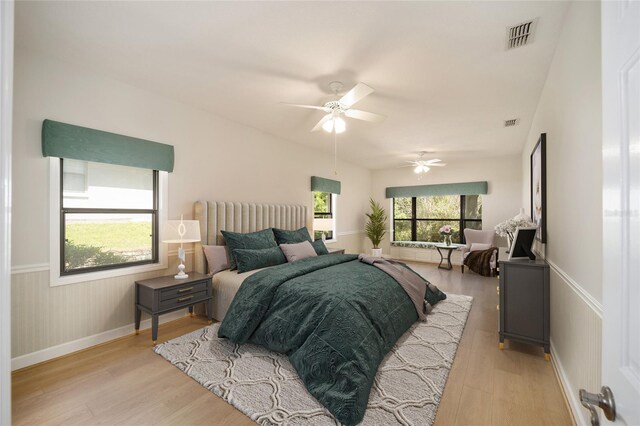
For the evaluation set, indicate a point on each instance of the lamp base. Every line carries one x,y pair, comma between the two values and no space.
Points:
181,275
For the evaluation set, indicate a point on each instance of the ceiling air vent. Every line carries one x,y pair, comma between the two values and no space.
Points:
512,122
521,34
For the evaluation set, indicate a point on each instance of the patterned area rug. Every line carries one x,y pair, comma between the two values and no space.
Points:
265,386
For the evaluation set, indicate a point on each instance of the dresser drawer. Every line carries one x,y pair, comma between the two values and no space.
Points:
183,290
181,300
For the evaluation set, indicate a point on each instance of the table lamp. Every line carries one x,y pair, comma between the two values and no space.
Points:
179,232
323,225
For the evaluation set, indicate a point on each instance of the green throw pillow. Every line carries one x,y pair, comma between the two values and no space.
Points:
284,236
252,240
248,260
319,247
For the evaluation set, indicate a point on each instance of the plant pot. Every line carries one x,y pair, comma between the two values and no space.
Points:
376,252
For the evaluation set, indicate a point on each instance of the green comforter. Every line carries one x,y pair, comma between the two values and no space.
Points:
334,317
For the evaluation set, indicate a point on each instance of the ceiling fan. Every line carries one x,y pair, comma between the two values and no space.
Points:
423,166
336,109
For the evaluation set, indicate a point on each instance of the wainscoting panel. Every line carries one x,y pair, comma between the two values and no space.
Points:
44,316
351,242
576,340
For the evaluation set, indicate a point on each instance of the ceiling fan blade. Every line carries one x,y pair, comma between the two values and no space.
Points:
321,122
435,160
321,108
354,95
364,115
436,165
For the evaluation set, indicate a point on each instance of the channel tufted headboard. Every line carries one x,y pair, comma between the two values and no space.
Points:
216,216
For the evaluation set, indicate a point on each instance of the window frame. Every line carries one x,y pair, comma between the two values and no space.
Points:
71,210
327,215
462,220
56,259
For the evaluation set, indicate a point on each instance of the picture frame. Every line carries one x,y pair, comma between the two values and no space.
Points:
538,163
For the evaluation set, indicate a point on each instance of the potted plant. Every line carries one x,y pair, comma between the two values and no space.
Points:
376,226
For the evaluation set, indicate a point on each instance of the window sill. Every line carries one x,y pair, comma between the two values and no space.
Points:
333,240
56,280
420,244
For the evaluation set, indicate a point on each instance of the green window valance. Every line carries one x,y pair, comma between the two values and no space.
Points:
81,143
466,188
319,184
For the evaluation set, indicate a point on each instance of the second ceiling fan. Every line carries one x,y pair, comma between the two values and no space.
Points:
333,121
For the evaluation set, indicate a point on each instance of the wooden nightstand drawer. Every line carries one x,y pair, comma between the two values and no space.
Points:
185,300
183,290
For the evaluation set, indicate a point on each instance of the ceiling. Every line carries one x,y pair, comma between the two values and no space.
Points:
440,70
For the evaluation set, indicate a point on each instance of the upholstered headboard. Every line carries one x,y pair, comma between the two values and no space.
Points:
216,216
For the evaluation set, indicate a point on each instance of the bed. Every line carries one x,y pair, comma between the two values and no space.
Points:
217,216
334,316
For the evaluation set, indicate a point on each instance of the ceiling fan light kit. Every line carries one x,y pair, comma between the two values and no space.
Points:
335,123
423,166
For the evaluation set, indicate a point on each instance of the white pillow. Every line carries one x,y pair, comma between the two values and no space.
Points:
217,258
479,246
298,251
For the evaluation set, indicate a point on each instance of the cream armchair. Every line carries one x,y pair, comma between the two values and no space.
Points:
474,236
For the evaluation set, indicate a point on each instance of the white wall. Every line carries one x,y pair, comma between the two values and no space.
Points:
570,113
503,175
216,159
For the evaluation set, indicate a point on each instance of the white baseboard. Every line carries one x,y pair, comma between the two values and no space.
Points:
577,410
46,354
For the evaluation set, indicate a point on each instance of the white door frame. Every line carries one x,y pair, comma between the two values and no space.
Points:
6,106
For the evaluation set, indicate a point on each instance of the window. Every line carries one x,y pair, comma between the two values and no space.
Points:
420,218
323,208
114,224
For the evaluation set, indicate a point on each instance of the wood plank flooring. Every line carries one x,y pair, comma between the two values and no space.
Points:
125,382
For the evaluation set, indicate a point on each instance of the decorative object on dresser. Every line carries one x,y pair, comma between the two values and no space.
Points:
507,229
179,232
376,226
524,302
479,240
157,296
539,187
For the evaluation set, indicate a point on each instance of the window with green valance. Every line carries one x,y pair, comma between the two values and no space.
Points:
81,143
465,188
319,184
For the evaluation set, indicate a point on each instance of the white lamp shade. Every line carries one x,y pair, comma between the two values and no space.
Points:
181,231
323,224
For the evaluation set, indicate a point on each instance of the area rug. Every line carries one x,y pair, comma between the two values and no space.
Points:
265,386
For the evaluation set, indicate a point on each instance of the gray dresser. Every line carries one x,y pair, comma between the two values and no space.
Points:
524,302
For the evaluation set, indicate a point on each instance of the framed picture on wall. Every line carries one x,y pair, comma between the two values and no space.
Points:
539,187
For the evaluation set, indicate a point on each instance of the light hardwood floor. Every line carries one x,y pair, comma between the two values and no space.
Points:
125,382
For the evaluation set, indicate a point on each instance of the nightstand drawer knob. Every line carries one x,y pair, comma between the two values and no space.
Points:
184,299
497,307
184,290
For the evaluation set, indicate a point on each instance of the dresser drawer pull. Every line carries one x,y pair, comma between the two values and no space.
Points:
497,307
184,290
184,299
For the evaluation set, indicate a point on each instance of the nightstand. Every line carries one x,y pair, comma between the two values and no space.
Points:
335,250
157,296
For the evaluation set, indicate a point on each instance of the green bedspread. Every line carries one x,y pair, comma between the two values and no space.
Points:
334,317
